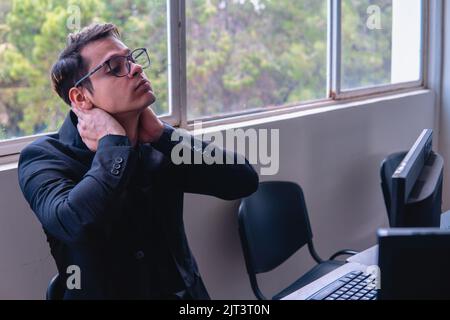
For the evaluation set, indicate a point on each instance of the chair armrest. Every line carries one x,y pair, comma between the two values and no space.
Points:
343,253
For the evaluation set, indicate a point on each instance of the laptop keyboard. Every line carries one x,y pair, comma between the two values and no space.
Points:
354,285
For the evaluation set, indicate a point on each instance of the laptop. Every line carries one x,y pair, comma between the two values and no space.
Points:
407,264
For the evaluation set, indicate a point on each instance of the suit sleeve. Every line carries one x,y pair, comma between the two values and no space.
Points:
66,206
228,179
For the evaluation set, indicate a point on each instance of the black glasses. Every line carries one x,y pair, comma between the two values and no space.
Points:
119,66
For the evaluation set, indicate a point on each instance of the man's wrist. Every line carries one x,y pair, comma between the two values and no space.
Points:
116,132
158,134
165,143
113,140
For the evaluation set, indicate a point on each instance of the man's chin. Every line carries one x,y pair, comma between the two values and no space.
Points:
152,98
142,103
148,102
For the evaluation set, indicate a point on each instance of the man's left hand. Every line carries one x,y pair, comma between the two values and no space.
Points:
150,127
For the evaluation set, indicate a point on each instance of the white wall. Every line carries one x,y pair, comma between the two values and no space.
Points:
335,156
25,262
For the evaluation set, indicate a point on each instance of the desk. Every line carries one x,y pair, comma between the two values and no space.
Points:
368,257
358,262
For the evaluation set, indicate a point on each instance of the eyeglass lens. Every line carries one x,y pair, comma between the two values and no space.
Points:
120,65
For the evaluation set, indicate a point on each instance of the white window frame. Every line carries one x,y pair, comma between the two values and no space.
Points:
176,28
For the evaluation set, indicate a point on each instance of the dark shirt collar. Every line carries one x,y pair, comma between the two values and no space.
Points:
68,134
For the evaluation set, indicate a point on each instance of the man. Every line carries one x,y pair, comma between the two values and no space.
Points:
105,189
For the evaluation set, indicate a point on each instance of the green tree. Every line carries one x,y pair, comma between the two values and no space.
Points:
366,52
34,32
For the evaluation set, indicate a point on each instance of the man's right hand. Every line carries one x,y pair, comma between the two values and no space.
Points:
94,124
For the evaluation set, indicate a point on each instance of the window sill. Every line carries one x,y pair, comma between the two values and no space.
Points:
263,117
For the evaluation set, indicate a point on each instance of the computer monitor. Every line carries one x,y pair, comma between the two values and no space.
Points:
416,190
414,263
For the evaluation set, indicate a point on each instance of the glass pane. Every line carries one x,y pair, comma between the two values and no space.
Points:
381,42
243,55
29,47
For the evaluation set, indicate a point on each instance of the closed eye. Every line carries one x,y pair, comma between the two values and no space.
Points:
114,70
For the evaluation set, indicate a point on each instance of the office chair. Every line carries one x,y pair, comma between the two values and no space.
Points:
387,169
55,290
273,225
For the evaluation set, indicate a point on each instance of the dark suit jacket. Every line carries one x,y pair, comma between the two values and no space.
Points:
117,213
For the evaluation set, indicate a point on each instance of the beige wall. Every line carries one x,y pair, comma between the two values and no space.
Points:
335,156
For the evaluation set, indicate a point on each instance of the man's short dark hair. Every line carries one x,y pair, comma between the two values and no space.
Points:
70,66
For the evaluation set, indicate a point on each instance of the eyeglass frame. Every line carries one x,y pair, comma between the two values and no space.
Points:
129,59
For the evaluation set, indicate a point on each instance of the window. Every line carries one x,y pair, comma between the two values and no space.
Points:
244,55
216,58
29,47
381,42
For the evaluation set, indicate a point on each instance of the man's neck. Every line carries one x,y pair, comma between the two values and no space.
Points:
130,122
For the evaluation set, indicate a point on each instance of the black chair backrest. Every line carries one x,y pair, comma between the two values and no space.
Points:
273,225
388,167
55,290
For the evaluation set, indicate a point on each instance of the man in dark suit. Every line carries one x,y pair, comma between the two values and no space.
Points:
108,195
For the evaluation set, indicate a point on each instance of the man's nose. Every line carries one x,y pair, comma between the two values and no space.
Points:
135,69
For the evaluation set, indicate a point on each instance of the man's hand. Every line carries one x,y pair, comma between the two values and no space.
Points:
150,127
94,124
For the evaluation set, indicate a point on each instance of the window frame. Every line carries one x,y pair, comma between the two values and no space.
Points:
334,93
335,61
177,73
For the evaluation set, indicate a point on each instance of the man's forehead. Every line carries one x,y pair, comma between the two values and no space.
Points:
101,50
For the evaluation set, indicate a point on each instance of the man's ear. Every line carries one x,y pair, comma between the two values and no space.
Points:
79,99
